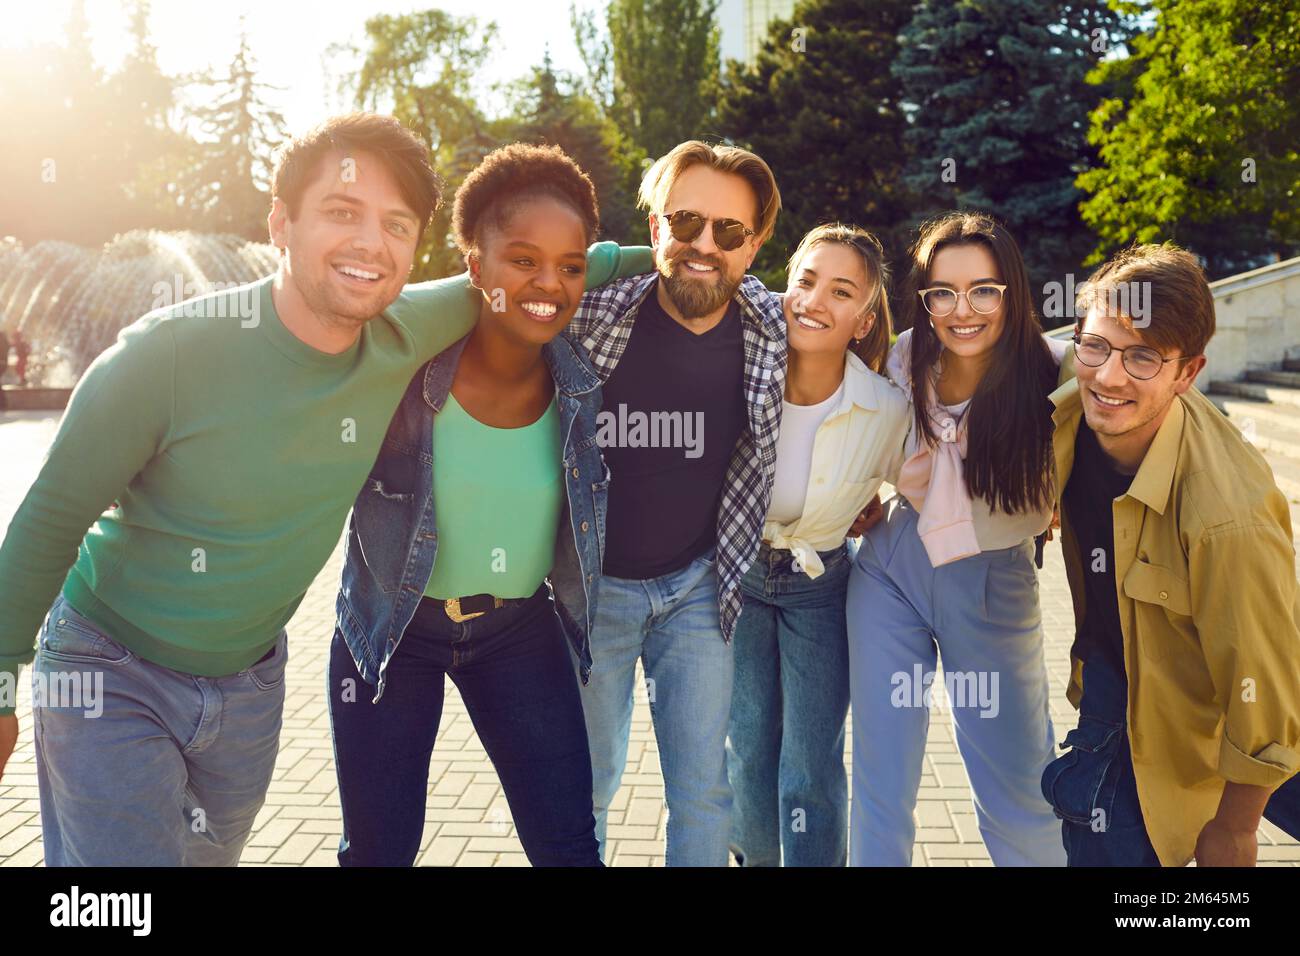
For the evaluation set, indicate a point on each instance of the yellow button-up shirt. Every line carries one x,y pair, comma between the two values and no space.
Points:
1208,604
858,447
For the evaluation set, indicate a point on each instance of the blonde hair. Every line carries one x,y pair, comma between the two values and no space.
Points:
873,348
659,178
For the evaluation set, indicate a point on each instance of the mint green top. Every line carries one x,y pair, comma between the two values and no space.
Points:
497,495
204,468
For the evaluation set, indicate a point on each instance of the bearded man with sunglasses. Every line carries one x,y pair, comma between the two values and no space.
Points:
1178,550
697,340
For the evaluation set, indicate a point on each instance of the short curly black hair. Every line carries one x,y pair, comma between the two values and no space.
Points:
513,174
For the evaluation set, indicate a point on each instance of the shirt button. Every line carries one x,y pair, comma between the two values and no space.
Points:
575,473
589,579
1164,595
585,526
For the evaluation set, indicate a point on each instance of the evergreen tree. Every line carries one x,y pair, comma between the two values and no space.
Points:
999,106
227,188
822,108
552,111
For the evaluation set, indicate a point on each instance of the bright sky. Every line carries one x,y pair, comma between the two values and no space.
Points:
288,38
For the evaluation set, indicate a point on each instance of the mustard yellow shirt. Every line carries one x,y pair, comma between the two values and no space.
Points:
1208,604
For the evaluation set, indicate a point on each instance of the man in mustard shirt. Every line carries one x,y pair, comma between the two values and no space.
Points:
1178,549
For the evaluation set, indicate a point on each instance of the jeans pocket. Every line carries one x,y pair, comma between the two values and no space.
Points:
72,638
1081,784
269,674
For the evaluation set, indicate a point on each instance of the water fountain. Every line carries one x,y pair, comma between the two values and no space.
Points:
70,301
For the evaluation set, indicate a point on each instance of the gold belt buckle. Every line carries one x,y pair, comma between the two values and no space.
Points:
452,607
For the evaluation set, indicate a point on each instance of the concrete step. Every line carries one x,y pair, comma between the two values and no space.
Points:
1277,394
1273,429
1286,472
1287,379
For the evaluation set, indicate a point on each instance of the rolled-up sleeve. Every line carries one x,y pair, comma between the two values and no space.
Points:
1244,602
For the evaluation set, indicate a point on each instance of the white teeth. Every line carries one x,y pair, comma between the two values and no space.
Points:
698,267
965,329
1110,401
541,309
808,323
358,273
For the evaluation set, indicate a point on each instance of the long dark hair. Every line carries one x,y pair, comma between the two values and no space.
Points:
1009,437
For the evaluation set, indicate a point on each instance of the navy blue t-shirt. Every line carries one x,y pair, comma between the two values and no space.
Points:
673,410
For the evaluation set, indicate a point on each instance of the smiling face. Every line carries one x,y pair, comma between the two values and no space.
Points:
826,299
699,277
960,268
1116,404
351,247
535,263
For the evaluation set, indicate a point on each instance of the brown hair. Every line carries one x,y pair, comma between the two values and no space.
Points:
1179,304
514,174
873,349
400,150
659,178
1009,438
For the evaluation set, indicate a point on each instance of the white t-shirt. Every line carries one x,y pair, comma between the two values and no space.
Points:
794,451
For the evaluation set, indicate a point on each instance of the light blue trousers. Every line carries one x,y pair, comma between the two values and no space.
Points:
982,615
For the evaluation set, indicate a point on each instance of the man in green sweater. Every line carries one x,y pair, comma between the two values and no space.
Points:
199,481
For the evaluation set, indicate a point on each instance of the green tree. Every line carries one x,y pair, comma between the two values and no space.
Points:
88,157
551,110
653,68
822,108
420,67
1204,148
226,188
999,105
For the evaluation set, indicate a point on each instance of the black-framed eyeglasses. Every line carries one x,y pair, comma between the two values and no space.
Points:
983,298
1140,361
728,234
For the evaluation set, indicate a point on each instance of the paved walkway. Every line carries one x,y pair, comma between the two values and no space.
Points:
468,821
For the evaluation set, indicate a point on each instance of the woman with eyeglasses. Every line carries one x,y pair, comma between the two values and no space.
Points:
949,570
842,430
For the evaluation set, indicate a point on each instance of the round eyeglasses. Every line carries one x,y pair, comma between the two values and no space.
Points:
1140,361
941,301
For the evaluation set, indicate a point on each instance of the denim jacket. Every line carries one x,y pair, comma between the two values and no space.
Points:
392,538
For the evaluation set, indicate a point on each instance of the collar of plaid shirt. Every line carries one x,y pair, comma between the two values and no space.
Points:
603,326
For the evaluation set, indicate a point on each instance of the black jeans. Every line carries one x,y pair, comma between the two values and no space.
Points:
512,667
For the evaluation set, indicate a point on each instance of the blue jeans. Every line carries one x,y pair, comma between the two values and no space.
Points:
173,768
671,624
512,669
981,613
1093,788
785,758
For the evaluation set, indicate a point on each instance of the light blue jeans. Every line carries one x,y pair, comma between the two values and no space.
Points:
982,615
671,624
150,767
786,747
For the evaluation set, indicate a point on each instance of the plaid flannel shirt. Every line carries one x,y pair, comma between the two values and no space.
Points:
603,326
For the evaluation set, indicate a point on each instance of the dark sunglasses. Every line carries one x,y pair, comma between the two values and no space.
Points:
728,234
